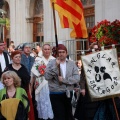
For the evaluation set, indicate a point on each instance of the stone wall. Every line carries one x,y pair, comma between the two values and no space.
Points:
107,9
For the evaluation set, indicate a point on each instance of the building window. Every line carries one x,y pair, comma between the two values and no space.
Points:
39,27
39,7
87,2
84,2
90,21
93,1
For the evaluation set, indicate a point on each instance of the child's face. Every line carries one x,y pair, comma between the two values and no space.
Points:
8,81
95,47
79,64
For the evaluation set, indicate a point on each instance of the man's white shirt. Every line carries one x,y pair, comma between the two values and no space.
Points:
2,61
63,68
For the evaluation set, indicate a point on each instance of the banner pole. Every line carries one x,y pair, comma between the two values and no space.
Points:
56,38
115,109
55,28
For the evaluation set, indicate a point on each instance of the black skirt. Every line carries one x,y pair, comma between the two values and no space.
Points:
86,109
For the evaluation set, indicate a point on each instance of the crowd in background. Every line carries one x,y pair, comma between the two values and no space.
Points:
49,94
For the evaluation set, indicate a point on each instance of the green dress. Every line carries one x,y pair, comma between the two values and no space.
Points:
19,92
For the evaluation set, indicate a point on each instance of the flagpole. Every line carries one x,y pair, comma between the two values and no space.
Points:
56,38
115,109
55,28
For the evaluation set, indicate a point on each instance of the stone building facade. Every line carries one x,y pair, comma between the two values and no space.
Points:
32,20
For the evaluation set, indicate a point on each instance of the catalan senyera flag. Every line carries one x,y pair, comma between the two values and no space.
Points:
71,16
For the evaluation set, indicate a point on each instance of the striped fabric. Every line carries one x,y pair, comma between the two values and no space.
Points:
71,16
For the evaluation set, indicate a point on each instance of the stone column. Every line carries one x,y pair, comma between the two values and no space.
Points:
12,5
107,9
20,29
29,25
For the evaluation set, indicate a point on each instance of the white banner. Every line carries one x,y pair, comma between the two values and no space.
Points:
102,73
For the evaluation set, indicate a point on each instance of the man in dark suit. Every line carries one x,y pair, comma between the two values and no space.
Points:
4,57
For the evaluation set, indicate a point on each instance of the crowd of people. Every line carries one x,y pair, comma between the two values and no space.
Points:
42,84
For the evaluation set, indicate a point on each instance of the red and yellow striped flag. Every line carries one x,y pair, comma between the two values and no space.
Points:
71,16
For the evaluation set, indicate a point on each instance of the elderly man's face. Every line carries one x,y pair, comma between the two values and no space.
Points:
27,50
2,47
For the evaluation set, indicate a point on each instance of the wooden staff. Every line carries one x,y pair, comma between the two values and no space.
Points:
55,28
115,109
56,38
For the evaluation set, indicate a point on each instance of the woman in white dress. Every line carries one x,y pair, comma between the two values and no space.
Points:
44,107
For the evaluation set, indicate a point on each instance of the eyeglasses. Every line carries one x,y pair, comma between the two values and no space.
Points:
61,52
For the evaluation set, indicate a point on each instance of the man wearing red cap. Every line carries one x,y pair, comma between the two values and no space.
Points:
4,57
60,85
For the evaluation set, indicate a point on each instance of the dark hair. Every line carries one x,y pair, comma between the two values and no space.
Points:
33,48
11,42
94,43
38,44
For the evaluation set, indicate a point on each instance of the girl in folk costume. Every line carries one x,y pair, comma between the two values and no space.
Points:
44,108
